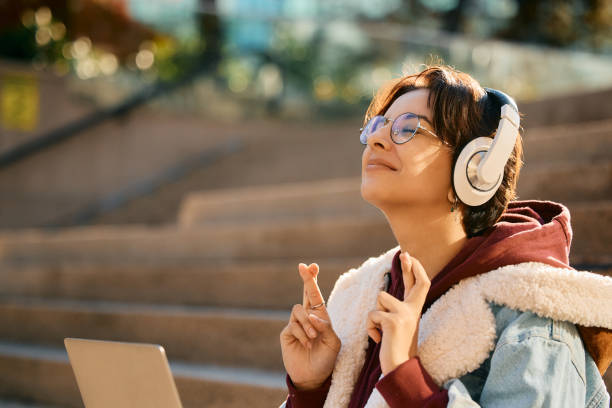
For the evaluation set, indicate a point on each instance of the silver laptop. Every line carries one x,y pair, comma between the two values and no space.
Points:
122,375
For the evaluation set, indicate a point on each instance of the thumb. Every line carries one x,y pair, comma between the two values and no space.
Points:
328,335
407,273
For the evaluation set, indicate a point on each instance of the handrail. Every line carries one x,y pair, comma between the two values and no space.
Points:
72,129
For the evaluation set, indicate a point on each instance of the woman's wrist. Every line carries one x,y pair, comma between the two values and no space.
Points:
308,385
299,398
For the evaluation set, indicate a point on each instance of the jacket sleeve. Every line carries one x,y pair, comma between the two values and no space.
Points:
409,385
306,399
531,372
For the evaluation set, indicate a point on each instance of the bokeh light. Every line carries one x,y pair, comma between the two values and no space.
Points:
324,88
108,64
144,59
43,16
81,47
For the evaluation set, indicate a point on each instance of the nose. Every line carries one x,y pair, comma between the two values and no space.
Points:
380,139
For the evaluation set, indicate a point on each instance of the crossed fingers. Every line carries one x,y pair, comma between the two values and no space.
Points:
312,298
391,312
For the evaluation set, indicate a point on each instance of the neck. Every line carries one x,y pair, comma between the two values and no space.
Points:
432,235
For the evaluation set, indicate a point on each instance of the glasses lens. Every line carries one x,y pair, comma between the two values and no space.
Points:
404,128
372,126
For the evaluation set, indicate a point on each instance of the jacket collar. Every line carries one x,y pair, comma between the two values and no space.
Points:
463,310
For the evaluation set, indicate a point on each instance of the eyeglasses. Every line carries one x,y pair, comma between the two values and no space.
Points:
403,129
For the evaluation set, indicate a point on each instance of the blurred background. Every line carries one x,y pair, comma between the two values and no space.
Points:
165,164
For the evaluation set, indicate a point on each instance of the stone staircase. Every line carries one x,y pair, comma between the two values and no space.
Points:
216,288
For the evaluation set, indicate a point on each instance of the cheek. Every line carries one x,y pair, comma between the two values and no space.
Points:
427,173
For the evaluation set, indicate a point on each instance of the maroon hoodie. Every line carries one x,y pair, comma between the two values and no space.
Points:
527,231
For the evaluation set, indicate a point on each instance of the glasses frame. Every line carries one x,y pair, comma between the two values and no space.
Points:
395,132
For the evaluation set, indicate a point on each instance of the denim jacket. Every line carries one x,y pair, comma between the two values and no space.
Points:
537,362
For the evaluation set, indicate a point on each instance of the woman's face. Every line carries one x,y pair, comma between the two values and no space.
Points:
422,166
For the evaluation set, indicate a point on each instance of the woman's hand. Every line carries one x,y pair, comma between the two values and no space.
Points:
399,320
309,344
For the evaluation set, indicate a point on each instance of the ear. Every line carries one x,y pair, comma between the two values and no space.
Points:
451,195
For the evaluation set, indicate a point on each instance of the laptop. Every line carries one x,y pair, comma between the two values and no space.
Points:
122,375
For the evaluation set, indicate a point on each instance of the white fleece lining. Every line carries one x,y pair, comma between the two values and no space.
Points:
348,305
457,333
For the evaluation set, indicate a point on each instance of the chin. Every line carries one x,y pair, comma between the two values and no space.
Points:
372,191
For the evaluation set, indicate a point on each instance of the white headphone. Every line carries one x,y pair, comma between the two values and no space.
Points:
479,169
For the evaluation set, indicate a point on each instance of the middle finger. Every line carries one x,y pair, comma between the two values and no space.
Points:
312,294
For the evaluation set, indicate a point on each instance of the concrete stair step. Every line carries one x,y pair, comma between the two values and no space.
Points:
567,182
270,159
569,142
559,181
306,200
37,375
295,241
273,284
274,152
223,336
569,108
283,151
43,375
592,233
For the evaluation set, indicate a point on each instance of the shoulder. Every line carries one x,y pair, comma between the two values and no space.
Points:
562,294
536,361
544,347
541,336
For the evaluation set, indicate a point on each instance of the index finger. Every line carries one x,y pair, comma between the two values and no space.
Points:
421,286
312,293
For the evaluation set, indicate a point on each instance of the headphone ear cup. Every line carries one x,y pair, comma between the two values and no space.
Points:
469,189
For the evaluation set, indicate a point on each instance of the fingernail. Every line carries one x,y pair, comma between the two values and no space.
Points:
312,333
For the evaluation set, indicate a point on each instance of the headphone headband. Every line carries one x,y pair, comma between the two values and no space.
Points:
505,137
502,98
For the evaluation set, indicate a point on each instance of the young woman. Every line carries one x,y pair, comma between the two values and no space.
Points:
477,305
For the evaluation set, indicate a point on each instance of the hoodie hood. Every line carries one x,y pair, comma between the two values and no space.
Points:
528,231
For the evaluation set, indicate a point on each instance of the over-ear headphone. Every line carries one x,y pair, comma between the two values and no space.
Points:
479,169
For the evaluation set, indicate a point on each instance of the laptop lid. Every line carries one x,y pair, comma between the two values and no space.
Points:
121,375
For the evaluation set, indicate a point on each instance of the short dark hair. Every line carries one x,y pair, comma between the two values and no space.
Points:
461,112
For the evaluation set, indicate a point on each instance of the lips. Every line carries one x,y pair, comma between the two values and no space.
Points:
381,162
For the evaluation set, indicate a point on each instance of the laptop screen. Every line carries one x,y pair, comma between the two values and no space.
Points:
122,375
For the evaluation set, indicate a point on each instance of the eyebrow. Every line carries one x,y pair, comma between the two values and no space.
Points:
418,116
425,118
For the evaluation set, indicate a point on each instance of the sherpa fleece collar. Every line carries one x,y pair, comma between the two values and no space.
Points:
562,294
